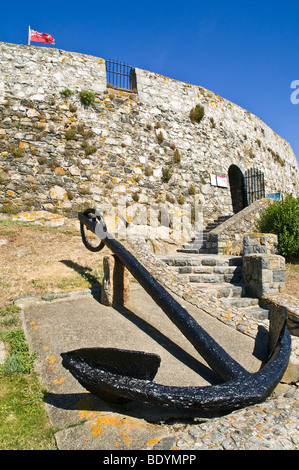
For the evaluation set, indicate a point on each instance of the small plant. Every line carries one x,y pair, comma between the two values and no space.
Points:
85,133
166,175
71,133
160,138
84,191
181,200
278,159
15,151
9,208
197,113
53,164
135,197
148,171
42,160
87,97
10,315
19,360
70,194
170,198
152,243
191,190
88,149
176,156
66,92
72,108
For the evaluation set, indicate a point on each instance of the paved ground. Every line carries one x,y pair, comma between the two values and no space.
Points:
85,422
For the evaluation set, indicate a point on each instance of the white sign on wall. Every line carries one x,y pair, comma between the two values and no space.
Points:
213,180
220,181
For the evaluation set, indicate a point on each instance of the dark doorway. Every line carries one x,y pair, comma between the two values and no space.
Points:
237,188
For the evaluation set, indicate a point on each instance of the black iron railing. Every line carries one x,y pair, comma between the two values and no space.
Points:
254,185
121,75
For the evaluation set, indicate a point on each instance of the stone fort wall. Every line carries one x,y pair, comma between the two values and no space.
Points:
137,147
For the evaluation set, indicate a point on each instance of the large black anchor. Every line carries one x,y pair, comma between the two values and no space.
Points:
121,375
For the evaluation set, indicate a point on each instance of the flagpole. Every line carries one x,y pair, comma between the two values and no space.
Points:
29,36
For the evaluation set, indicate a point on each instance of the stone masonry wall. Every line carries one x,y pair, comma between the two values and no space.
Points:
140,148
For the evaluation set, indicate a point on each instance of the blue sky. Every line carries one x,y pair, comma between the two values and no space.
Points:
245,51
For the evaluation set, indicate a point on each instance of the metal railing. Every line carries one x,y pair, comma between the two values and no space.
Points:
254,185
121,75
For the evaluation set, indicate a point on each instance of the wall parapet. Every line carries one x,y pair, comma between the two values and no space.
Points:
227,238
264,274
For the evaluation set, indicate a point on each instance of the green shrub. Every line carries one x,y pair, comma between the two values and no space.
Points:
9,208
197,113
66,92
191,190
160,138
88,149
87,97
15,151
176,156
282,219
135,197
166,175
71,133
181,199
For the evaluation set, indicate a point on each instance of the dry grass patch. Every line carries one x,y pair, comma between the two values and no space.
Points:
39,260
292,279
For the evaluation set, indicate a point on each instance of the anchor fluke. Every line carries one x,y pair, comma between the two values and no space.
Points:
99,369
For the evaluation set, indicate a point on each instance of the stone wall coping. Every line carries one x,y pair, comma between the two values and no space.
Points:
254,207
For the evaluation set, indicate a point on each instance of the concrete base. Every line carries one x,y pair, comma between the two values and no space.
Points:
62,325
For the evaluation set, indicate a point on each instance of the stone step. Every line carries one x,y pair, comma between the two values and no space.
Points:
249,305
222,290
185,259
257,312
229,271
214,278
197,251
242,302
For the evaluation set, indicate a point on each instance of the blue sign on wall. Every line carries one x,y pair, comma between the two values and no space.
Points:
276,196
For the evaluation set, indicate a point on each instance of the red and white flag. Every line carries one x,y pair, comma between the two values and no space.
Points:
40,37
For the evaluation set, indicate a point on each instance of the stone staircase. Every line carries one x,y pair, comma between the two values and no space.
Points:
198,244
219,276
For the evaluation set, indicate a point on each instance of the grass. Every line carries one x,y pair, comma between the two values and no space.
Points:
35,260
24,423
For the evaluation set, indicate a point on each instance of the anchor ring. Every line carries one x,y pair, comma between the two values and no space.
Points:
101,229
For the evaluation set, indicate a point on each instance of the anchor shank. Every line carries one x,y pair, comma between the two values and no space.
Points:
217,358
208,348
